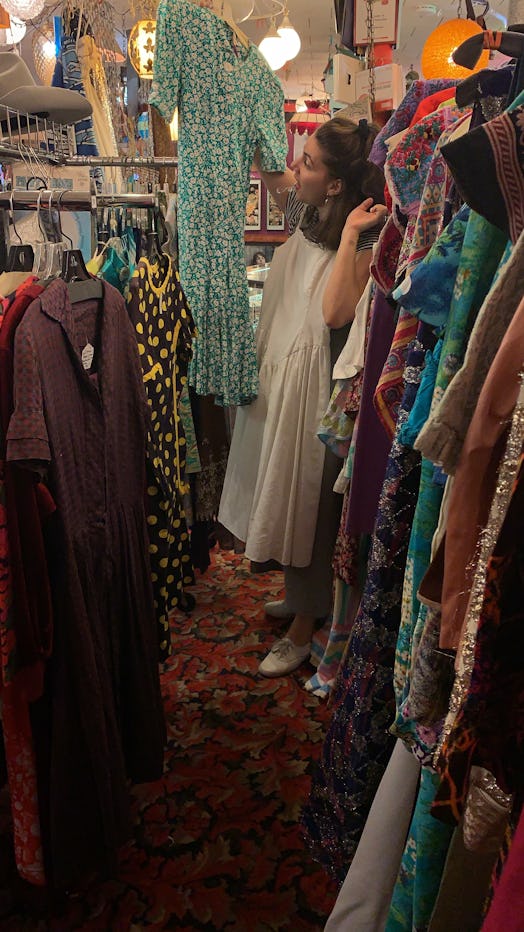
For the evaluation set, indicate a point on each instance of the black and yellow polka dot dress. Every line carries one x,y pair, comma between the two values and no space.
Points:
165,329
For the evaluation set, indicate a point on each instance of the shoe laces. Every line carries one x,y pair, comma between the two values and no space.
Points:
283,648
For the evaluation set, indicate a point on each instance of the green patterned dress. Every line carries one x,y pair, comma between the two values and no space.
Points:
229,103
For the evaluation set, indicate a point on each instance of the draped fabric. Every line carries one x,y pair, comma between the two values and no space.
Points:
357,745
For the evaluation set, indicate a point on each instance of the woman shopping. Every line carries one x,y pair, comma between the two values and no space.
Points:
278,493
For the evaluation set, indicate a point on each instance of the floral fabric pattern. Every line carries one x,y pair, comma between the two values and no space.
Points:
230,103
407,168
404,113
427,291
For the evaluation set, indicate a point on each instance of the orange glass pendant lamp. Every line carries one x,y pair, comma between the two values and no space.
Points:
437,61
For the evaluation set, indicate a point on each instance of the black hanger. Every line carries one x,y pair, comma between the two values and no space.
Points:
74,270
20,257
509,43
469,52
153,247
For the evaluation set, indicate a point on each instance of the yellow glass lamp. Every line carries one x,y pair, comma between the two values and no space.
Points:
141,47
437,61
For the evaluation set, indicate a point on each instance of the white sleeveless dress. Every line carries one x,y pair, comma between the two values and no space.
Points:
271,491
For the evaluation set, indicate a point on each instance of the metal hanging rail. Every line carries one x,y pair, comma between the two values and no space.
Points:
95,161
30,137
72,200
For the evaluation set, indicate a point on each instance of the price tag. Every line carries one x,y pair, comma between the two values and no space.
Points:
87,355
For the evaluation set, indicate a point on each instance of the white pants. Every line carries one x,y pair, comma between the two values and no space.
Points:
365,896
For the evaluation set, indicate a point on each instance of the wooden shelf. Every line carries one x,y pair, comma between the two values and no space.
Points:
259,236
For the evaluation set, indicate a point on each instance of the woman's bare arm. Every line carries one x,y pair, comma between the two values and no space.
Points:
277,183
350,270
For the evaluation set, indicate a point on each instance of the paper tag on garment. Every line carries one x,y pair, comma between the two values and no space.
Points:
87,355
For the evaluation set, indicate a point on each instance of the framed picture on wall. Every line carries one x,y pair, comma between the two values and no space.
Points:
253,216
275,218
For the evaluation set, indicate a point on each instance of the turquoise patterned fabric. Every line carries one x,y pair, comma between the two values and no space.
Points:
420,874
230,103
478,259
419,413
426,292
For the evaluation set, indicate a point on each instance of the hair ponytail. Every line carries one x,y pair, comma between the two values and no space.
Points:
345,152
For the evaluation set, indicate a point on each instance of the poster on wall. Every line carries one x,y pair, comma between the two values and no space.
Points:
275,218
252,219
385,22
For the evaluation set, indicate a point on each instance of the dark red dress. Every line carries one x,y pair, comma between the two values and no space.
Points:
100,720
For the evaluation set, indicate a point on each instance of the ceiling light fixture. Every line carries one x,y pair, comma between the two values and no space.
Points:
273,48
437,54
290,37
141,47
24,9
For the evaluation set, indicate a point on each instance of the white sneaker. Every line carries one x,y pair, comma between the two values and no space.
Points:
284,657
277,609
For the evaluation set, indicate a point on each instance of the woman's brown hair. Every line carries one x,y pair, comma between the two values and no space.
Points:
345,150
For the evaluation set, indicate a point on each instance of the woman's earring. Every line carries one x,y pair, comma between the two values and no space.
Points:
326,199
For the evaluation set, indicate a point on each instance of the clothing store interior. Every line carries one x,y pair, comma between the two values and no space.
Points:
260,576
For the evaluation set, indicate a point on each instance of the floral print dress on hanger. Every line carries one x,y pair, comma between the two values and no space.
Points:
230,103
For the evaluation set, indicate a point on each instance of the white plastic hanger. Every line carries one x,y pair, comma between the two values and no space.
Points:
226,13
223,10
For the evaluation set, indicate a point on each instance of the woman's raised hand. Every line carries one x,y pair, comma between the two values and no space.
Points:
366,216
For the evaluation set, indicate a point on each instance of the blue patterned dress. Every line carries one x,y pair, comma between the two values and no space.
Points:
230,103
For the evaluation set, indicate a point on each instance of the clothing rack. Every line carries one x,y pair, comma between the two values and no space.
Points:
73,200
95,161
26,136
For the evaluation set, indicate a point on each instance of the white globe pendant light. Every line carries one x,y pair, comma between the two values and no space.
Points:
290,37
273,49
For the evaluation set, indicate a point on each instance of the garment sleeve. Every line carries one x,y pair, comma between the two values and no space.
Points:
27,437
168,59
271,123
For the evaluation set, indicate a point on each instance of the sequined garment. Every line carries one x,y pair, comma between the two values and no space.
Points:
358,745
488,697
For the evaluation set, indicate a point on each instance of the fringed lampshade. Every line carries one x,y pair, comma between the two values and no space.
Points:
141,47
309,120
437,61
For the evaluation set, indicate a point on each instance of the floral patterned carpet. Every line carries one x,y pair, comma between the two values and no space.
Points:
217,842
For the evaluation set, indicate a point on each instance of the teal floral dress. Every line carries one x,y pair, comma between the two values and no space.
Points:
229,103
